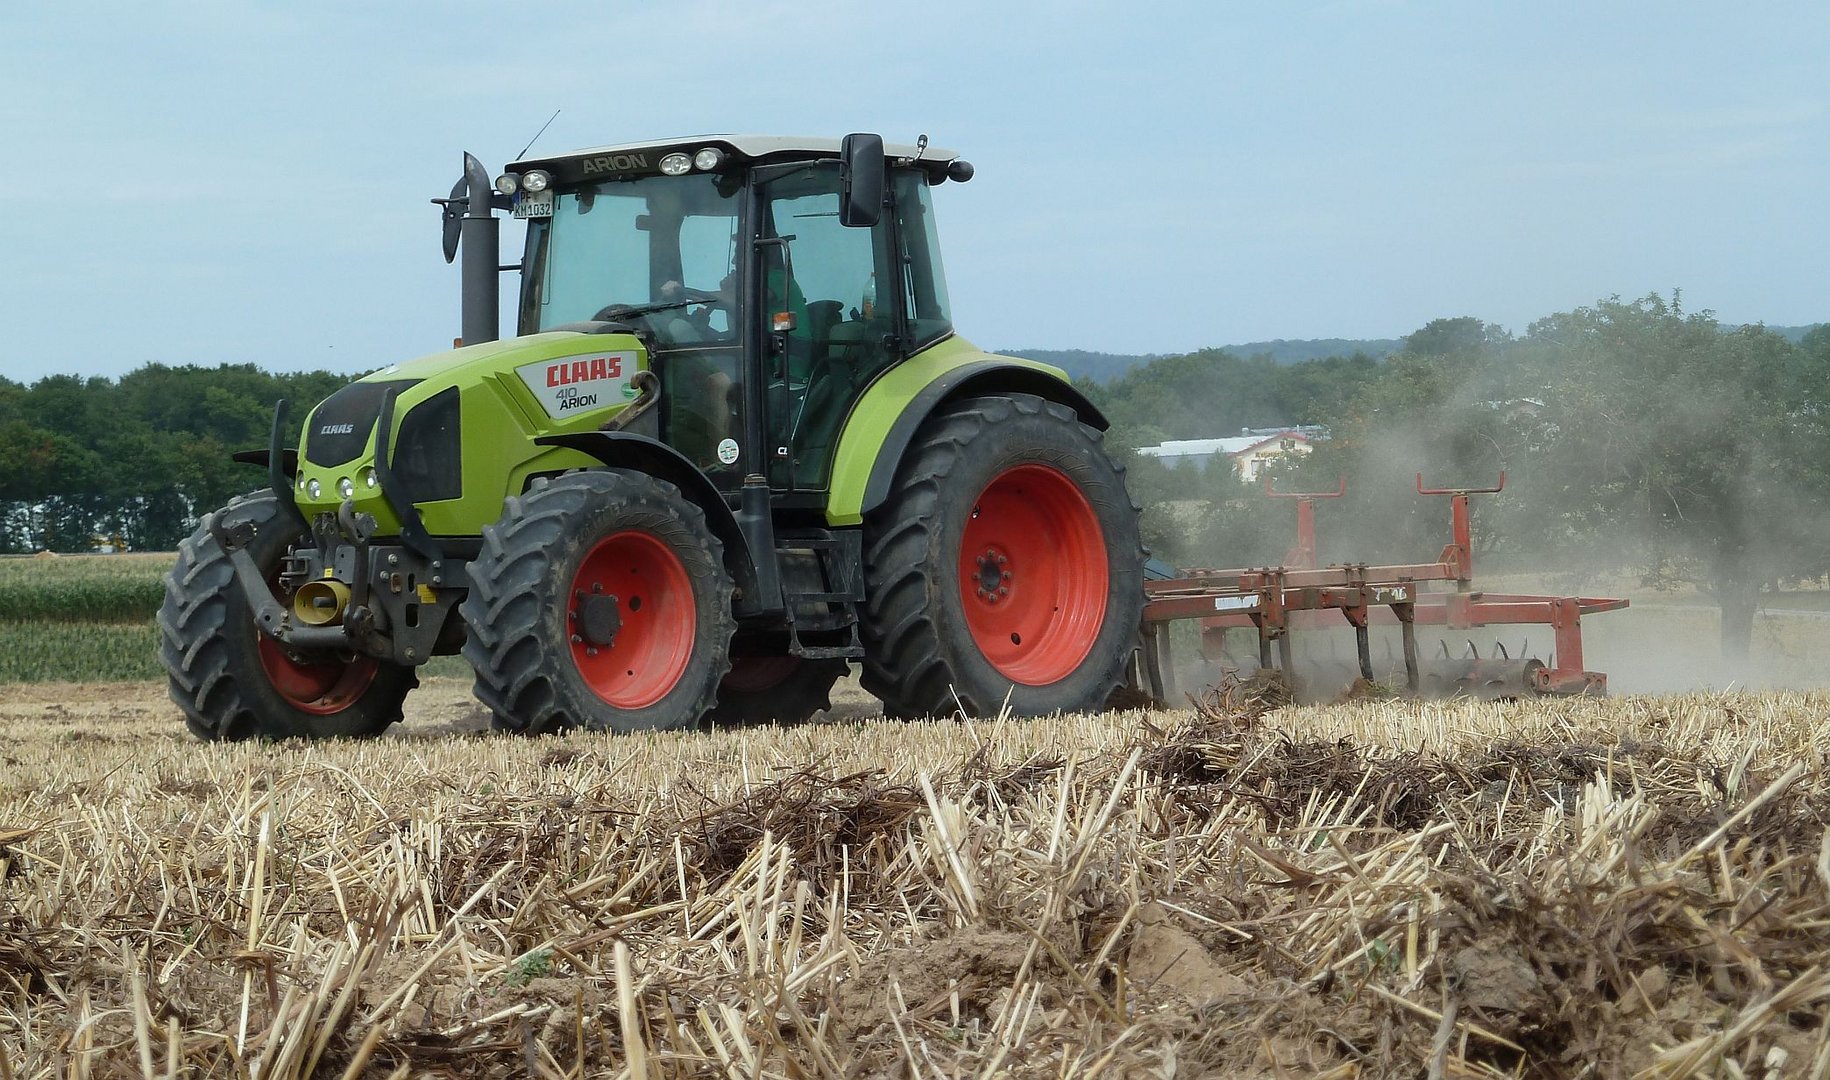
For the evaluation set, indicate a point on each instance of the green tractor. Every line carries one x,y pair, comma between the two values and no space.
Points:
735,445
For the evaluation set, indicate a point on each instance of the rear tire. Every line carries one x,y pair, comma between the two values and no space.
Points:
599,600
232,681
778,689
1006,563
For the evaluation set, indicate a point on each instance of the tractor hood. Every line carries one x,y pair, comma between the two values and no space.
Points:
462,426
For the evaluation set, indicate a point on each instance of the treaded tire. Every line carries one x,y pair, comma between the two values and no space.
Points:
212,651
518,611
791,697
921,655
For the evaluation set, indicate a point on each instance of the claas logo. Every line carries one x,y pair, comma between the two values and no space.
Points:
566,373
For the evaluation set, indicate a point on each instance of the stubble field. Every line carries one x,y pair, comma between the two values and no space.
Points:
1555,888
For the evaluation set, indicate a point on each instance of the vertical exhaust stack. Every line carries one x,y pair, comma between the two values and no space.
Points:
480,235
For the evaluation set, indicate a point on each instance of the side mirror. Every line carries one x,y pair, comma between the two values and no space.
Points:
861,180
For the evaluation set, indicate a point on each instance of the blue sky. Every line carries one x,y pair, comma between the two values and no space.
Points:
225,182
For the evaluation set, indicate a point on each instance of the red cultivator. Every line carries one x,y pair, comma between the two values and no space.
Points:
1273,602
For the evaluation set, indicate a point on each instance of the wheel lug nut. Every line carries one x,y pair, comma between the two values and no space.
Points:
1002,560
596,588
1006,575
576,640
591,651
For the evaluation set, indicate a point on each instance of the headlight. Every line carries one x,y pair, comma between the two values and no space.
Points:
313,488
708,159
370,478
346,487
507,183
676,164
535,180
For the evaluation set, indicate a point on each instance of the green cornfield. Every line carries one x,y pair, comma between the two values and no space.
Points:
51,650
83,588
86,618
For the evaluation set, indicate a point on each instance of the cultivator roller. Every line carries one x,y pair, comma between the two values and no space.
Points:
1271,605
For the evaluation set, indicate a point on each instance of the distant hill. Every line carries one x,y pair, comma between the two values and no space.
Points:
1104,367
1793,334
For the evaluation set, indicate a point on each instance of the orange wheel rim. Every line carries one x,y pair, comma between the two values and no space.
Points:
1033,574
647,655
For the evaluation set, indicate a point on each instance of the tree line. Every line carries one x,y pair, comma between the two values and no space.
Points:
133,463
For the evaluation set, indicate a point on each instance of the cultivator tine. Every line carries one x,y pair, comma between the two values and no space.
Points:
1473,653
1500,647
1363,644
1412,676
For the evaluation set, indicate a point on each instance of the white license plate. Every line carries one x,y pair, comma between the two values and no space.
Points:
531,206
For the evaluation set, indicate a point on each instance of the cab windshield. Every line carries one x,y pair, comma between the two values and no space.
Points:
657,251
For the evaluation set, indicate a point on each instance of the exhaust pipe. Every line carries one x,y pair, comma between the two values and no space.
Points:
481,235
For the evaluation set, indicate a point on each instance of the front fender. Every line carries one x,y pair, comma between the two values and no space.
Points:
639,453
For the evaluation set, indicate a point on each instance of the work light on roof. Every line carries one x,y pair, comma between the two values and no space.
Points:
676,164
535,180
507,183
708,159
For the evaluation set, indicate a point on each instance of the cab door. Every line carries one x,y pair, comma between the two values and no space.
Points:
829,319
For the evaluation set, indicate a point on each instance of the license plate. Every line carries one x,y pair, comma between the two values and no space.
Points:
532,206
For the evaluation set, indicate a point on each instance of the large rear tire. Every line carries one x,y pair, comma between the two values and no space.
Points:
234,682
1004,566
778,689
599,600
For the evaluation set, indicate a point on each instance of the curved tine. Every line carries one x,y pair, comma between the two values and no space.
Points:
1473,653
1524,647
1445,649
1500,647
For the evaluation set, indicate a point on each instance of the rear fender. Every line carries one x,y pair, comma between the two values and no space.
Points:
886,418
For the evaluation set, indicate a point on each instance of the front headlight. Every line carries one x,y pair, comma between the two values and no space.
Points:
346,487
535,180
370,478
313,488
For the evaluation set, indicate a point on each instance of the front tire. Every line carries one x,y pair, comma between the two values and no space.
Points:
599,600
1005,565
234,682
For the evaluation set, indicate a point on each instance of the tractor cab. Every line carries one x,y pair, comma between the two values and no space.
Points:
770,279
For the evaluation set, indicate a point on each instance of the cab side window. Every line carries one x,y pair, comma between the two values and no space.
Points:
836,287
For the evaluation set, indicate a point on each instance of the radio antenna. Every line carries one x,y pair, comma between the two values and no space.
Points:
537,134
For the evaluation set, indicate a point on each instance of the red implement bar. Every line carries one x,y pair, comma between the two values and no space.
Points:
1300,596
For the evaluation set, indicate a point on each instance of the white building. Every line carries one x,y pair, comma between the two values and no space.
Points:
1246,453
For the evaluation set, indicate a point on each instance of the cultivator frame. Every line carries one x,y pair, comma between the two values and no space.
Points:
1300,595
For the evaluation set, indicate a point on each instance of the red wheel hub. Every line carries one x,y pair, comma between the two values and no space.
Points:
655,623
316,687
1033,574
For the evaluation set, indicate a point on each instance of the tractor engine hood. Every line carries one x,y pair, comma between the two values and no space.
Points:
462,426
